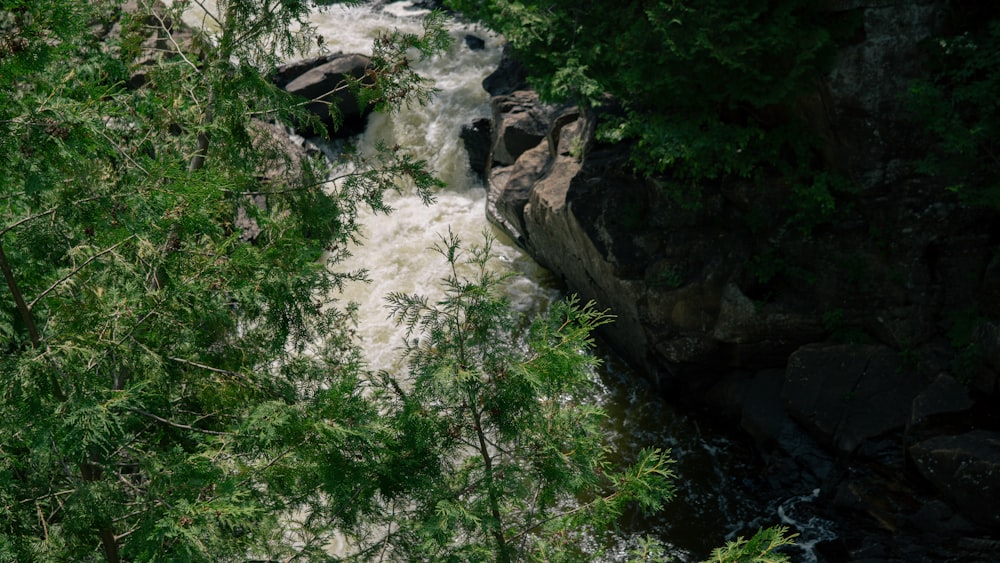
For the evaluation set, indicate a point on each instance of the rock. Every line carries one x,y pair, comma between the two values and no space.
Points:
801,462
513,189
520,123
943,396
509,77
936,517
476,137
846,394
857,107
966,469
290,71
475,43
316,79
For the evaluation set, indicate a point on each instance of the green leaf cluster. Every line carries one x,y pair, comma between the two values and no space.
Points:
958,107
178,380
705,86
522,462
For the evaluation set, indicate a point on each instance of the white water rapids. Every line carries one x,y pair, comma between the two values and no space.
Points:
715,485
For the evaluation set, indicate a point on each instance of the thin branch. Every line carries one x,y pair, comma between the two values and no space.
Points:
16,224
77,269
20,222
234,374
170,36
125,154
208,13
300,188
176,424
610,497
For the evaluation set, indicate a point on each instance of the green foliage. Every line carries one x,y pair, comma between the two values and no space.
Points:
176,379
523,462
178,382
959,108
702,83
761,548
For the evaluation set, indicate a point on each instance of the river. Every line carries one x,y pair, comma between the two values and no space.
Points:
720,494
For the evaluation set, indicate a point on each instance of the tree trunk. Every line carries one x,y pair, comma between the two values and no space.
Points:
22,307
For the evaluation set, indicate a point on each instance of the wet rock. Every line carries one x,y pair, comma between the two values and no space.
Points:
846,394
475,43
510,75
966,469
936,517
781,441
520,123
476,137
323,80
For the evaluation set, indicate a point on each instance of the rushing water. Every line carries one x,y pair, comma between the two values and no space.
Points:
719,489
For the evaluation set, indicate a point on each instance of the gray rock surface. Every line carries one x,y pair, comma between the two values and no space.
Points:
323,80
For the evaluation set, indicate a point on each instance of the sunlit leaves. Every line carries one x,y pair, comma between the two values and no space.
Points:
520,442
194,379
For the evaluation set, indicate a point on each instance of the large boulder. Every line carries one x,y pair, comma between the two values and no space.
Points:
846,394
520,122
966,468
670,273
324,80
477,139
510,75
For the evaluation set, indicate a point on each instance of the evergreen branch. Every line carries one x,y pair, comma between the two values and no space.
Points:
268,465
77,269
170,37
15,291
570,512
27,219
236,375
176,424
208,13
41,214
123,152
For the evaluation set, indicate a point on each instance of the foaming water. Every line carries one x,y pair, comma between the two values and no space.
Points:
397,250
716,478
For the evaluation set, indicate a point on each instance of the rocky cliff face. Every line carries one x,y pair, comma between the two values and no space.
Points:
873,341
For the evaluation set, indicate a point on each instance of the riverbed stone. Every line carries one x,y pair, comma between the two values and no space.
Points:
316,79
966,469
476,138
846,394
509,76
799,460
475,43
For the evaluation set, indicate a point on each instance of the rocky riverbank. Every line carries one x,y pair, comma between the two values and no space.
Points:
861,357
